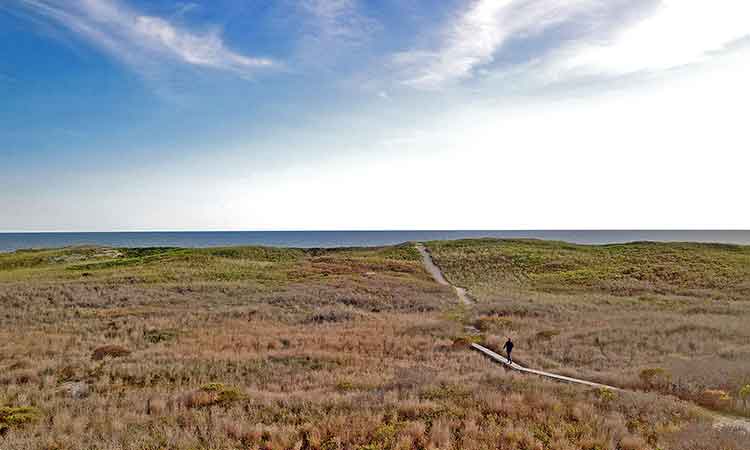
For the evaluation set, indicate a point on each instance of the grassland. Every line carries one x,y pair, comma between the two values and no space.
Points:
359,349
671,318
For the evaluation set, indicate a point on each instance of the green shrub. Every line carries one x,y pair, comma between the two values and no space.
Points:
655,377
213,387
344,386
221,394
744,394
11,417
606,395
156,336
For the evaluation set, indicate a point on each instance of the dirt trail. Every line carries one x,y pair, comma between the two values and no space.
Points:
720,421
437,274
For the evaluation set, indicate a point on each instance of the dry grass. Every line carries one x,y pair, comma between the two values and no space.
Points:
284,349
666,317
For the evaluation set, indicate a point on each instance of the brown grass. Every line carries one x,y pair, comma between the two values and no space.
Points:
245,348
665,317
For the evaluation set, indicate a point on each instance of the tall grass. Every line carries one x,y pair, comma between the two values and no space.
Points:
288,349
616,313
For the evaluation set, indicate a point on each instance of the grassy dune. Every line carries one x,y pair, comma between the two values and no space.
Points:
352,349
672,318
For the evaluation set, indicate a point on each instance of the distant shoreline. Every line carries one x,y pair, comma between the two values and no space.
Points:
334,239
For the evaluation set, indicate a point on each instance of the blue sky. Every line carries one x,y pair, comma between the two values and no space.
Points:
354,114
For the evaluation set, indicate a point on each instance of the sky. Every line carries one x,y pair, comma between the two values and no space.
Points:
391,114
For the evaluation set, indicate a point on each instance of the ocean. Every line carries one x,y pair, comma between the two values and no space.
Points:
319,239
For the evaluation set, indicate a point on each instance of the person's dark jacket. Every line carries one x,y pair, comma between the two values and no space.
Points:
508,346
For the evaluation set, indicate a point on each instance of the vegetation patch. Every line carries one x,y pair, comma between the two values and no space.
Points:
606,395
305,362
157,336
345,386
446,392
213,394
116,263
655,378
487,323
745,394
330,315
11,417
141,252
351,348
546,335
465,341
612,313
715,399
109,351
266,254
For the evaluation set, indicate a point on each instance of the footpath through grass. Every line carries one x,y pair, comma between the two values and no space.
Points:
667,317
251,347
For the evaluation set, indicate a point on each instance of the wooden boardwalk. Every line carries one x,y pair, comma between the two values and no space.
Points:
515,366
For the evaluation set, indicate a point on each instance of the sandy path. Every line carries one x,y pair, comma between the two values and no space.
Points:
437,274
720,421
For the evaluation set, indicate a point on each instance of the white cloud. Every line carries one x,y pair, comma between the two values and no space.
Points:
669,154
665,156
335,19
605,38
327,33
679,32
203,50
477,34
143,42
330,30
470,42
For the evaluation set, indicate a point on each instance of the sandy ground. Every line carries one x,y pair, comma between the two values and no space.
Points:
437,274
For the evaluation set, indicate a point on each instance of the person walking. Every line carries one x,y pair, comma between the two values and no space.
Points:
508,347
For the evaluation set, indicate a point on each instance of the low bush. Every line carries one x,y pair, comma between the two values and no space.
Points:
715,399
655,378
109,351
745,394
488,323
157,336
212,394
546,335
11,417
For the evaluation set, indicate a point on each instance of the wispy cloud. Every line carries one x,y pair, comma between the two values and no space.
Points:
144,42
469,42
475,36
676,33
185,8
338,20
572,37
328,36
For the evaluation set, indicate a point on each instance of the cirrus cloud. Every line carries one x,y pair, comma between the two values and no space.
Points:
141,41
562,39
